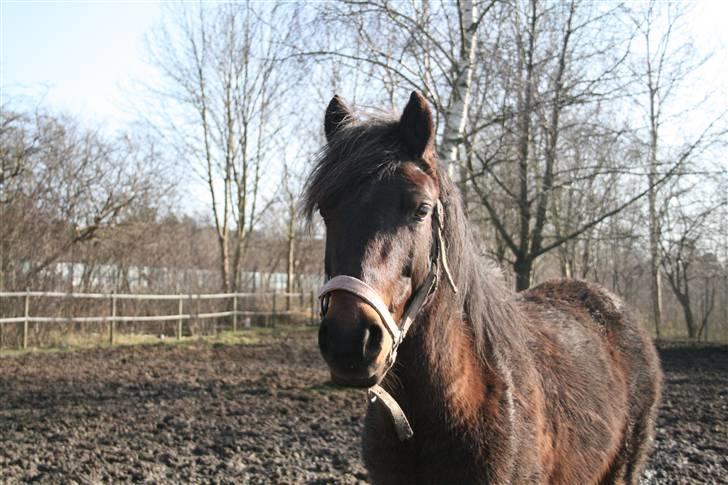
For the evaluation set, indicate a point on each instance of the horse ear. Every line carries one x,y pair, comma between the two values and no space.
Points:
416,127
337,113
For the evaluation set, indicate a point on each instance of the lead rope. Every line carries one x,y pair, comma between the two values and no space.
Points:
399,419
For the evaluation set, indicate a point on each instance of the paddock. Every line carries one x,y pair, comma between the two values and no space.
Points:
256,408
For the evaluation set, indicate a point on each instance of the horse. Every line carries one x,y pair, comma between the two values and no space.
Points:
469,381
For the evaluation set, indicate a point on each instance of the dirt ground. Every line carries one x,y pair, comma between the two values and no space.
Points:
261,413
692,425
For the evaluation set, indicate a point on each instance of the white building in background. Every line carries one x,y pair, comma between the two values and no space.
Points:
145,279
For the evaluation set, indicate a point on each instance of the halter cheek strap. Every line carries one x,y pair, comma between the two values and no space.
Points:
359,288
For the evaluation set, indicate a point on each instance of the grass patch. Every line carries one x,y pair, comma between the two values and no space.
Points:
246,336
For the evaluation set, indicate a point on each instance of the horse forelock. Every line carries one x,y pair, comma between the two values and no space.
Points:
361,151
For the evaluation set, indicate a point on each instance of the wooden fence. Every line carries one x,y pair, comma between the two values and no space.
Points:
186,302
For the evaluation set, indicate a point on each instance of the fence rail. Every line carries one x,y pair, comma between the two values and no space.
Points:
180,316
142,296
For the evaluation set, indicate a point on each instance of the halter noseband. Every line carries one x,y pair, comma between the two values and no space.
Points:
362,290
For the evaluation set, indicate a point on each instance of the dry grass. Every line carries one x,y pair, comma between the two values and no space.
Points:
247,336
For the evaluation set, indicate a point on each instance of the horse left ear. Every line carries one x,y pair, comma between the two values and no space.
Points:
416,128
337,115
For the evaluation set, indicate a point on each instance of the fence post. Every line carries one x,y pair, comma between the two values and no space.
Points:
112,322
273,317
25,321
301,299
179,320
313,307
235,312
197,314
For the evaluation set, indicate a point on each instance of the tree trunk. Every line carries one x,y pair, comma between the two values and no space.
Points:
655,284
689,317
565,261
523,266
224,263
456,115
524,263
290,266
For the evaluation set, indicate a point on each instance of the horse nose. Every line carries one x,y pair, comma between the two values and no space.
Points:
350,346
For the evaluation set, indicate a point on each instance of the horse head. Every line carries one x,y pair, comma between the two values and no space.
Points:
377,188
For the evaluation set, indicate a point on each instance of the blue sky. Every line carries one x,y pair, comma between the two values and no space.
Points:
86,58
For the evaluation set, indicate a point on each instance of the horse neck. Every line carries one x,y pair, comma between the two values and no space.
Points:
470,342
462,369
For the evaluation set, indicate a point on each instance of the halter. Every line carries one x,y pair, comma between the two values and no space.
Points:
359,288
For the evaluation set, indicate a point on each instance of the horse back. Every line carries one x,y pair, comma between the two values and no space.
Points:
599,380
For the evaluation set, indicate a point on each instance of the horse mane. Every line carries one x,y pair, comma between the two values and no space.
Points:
487,305
366,150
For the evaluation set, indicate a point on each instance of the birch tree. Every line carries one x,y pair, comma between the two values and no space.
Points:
429,47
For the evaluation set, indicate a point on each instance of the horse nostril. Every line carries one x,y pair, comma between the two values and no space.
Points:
372,341
323,336
324,309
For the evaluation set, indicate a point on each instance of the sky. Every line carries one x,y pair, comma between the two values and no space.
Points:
85,58
88,58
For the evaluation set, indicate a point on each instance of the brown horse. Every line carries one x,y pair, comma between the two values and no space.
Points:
556,384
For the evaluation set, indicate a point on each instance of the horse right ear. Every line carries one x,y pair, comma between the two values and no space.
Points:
416,127
337,114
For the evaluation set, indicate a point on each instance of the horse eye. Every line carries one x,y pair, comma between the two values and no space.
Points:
422,211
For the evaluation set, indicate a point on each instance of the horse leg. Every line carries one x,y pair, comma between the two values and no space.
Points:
643,435
617,469
643,427
628,464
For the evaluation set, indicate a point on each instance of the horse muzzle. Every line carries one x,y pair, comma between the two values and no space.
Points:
353,341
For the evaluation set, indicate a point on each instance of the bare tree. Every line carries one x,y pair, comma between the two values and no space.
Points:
662,65
544,132
684,228
290,197
63,185
224,99
430,47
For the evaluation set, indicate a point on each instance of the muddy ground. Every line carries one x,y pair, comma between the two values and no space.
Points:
261,413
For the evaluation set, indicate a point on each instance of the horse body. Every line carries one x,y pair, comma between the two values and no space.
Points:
556,384
563,412
576,407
